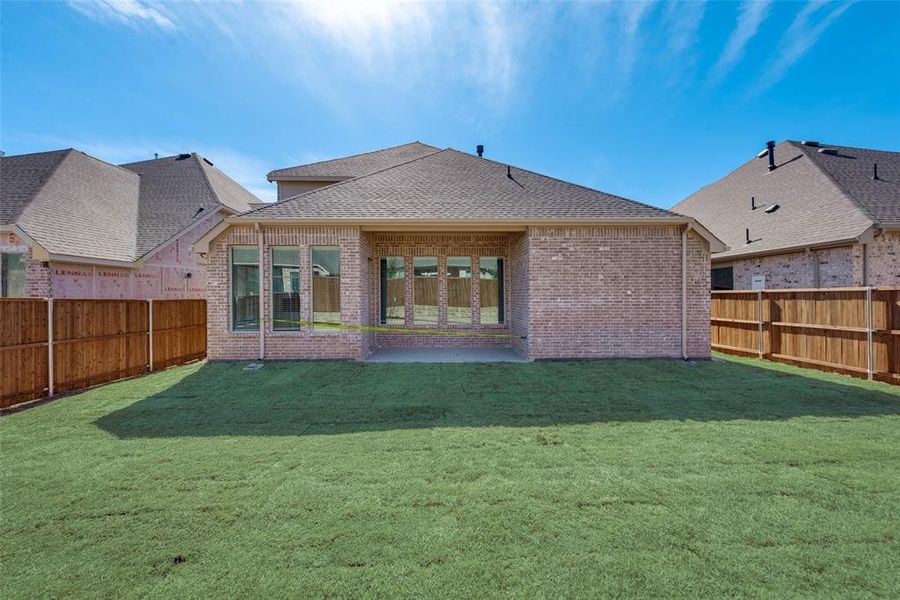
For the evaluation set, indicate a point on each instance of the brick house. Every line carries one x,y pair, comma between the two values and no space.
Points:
402,246
74,226
805,215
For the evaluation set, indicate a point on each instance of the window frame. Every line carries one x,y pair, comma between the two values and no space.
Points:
293,328
334,329
231,297
383,285
437,278
501,292
470,278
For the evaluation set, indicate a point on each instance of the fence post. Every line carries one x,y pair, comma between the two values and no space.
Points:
50,347
759,321
870,346
150,331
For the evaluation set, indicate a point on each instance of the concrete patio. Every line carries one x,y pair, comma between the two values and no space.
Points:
444,355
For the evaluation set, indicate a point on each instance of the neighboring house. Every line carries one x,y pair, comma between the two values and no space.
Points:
445,241
74,226
805,215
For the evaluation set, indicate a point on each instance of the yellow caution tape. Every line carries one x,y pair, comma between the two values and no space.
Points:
324,325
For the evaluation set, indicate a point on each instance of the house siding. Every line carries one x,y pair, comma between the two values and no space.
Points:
602,292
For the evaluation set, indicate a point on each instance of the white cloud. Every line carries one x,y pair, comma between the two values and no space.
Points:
800,37
753,13
632,13
684,21
129,12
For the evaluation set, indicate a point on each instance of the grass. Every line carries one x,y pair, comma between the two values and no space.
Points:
651,479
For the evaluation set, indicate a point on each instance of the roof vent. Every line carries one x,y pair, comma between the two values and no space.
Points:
829,151
875,171
155,155
770,146
209,162
753,203
747,235
773,208
479,149
509,171
183,156
810,143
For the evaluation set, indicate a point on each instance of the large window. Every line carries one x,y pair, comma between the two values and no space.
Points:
425,289
285,289
326,284
244,288
393,290
12,275
459,290
490,287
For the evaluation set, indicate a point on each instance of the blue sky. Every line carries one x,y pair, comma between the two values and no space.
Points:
646,100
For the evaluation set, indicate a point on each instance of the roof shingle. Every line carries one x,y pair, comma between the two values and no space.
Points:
357,164
452,185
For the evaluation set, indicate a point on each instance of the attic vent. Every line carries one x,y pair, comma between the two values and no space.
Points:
209,162
183,156
810,143
772,208
830,151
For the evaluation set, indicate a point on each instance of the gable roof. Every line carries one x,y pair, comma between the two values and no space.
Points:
456,186
822,199
73,204
175,190
356,165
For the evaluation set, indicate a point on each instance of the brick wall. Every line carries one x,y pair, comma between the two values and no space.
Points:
884,259
599,292
837,268
518,289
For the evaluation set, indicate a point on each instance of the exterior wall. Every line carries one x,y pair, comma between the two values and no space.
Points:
37,274
837,267
306,343
441,245
884,259
603,292
162,276
519,268
287,189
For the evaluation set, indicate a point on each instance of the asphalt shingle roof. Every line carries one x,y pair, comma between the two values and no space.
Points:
822,198
74,204
357,164
452,185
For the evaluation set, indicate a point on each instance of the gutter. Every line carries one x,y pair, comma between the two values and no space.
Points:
865,237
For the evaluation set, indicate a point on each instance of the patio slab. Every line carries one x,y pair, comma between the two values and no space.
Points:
444,355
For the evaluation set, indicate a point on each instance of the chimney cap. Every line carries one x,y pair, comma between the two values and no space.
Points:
479,149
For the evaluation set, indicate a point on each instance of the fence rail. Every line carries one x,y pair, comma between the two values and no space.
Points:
53,346
855,331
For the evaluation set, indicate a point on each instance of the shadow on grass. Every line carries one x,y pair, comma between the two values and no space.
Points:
332,398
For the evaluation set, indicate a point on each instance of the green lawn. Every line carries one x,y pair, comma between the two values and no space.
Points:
626,478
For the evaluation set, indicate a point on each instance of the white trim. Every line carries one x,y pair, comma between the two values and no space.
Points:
231,329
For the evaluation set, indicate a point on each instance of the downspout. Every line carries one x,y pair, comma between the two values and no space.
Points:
865,265
684,234
262,298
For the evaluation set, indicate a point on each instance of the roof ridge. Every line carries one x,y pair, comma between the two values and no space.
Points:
344,182
319,162
212,189
853,200
578,185
37,190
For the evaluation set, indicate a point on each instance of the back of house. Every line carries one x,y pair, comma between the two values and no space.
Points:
805,215
417,247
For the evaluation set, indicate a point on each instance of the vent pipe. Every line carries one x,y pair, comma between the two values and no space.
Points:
752,202
479,149
508,171
155,155
770,146
747,235
875,171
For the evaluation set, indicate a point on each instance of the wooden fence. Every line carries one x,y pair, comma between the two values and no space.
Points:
855,331
92,342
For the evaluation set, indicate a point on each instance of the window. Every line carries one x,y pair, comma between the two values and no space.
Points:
285,289
393,290
459,289
326,284
425,289
723,278
490,287
244,288
12,275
